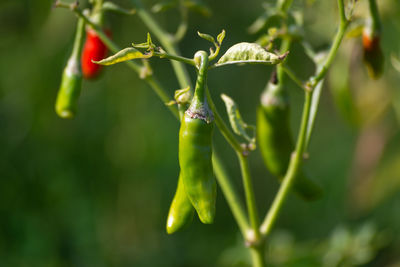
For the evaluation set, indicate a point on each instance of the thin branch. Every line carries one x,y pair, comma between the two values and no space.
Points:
186,60
254,238
293,77
335,46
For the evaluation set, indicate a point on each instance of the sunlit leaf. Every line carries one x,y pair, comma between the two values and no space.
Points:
206,36
124,55
314,109
249,53
221,37
238,125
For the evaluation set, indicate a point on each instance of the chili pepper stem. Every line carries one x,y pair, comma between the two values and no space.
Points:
250,200
335,46
231,196
376,21
257,256
71,82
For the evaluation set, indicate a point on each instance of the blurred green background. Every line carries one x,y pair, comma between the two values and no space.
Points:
95,190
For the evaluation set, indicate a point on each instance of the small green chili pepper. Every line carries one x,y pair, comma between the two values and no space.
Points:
181,210
195,142
71,82
275,140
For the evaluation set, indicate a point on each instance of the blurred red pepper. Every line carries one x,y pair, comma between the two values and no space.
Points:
373,55
94,49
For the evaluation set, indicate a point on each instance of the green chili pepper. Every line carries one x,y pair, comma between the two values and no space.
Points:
275,140
195,142
71,82
181,210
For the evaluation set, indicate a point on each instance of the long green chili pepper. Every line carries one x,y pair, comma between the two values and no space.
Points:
195,142
181,210
71,82
275,140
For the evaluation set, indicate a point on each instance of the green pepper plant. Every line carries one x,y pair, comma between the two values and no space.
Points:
195,109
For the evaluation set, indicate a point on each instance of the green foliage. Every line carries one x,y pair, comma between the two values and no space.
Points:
250,53
95,191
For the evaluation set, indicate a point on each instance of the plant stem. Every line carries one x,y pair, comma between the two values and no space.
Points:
376,21
296,160
166,41
186,60
335,46
284,48
161,93
183,26
231,196
293,168
293,77
250,199
78,42
252,237
257,256
98,12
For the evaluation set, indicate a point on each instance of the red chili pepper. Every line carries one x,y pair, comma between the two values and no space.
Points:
94,49
373,56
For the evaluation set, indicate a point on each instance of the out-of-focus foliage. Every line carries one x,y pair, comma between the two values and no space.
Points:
95,191
344,247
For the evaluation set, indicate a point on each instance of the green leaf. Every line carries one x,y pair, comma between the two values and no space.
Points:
238,125
207,37
147,45
221,37
250,53
355,29
124,55
183,96
149,39
395,62
314,109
